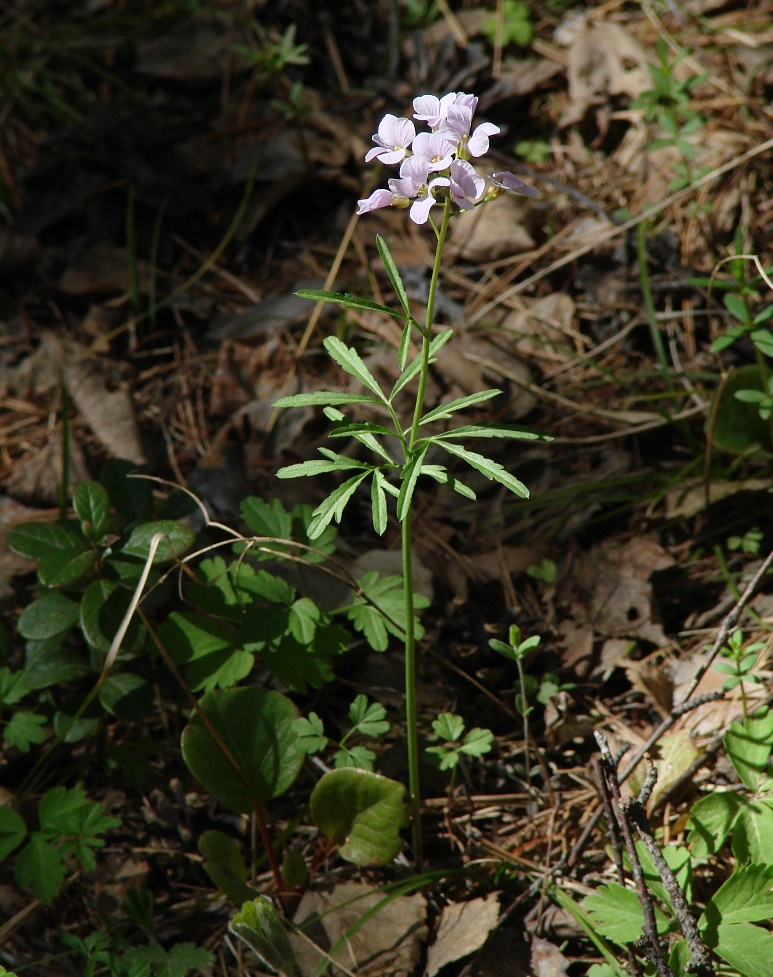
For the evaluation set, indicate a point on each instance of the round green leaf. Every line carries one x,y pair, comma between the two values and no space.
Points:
49,615
127,696
263,755
362,813
103,607
224,864
737,426
41,541
177,540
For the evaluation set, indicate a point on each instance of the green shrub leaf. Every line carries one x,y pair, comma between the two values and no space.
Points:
262,756
177,540
362,813
49,615
92,506
13,831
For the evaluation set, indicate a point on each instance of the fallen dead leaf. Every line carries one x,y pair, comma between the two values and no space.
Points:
37,476
388,943
546,959
463,929
492,232
602,62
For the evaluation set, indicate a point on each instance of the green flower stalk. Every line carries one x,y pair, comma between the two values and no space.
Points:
434,170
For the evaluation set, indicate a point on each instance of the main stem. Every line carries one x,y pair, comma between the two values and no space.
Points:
411,719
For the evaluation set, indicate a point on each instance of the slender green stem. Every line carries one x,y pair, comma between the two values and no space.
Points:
411,719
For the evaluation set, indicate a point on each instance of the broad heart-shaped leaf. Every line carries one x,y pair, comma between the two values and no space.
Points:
347,299
48,616
446,410
711,820
617,914
362,813
746,947
224,864
13,831
259,925
325,398
394,274
177,539
408,374
748,746
333,506
746,897
350,361
408,479
491,469
256,727
92,505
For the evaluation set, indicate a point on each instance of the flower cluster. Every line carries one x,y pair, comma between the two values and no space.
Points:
436,164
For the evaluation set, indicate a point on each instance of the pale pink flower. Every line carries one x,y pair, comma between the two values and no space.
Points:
436,148
457,125
508,181
378,199
431,109
393,140
414,182
466,185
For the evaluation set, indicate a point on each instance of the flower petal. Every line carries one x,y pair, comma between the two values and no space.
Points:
508,181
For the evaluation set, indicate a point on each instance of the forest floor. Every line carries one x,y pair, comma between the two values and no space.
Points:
170,175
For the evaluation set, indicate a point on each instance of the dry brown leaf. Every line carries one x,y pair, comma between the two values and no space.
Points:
562,723
37,476
689,498
603,62
102,269
388,943
546,959
109,413
463,929
543,327
492,232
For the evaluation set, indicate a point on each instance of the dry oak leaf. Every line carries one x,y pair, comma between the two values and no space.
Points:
463,929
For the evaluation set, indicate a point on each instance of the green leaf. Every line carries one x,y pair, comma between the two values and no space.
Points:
13,687
368,719
617,914
746,897
393,273
126,696
736,306
257,755
711,820
23,729
39,869
66,567
763,340
311,733
103,608
13,831
355,756
41,541
176,540
325,398
491,469
259,926
753,832
337,463
446,410
747,948
477,742
362,813
347,299
350,362
380,609
379,502
405,344
748,746
408,479
364,433
224,864
444,477
304,617
92,506
48,664
448,726
491,431
407,375
333,506
50,615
